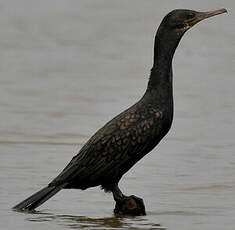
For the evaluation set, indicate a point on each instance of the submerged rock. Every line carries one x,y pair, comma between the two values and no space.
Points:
130,205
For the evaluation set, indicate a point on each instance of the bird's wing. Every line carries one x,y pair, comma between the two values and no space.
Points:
111,146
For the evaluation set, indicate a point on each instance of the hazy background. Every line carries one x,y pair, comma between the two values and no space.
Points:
67,67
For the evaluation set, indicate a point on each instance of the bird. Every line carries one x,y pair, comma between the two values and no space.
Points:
128,137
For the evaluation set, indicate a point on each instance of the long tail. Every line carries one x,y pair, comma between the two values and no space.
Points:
37,198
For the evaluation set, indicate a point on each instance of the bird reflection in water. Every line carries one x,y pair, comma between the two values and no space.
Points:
84,222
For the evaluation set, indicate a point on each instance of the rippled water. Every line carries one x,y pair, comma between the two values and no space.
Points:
67,67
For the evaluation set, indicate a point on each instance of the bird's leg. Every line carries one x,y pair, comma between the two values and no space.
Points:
117,193
127,205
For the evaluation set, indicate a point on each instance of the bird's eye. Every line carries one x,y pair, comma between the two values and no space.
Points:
179,26
190,15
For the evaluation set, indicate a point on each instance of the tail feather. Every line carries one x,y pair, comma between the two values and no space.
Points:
37,198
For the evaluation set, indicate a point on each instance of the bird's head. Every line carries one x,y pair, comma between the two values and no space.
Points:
171,30
181,20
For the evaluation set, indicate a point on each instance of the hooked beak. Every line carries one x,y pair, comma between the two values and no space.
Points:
203,15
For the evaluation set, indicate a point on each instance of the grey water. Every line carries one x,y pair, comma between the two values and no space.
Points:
67,67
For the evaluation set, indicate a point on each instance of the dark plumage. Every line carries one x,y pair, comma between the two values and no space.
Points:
124,140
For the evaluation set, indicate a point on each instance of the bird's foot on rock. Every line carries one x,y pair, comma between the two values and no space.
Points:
130,205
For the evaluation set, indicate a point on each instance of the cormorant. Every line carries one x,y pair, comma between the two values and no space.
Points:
129,136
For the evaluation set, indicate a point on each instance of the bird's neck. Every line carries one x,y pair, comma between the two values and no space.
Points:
160,81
